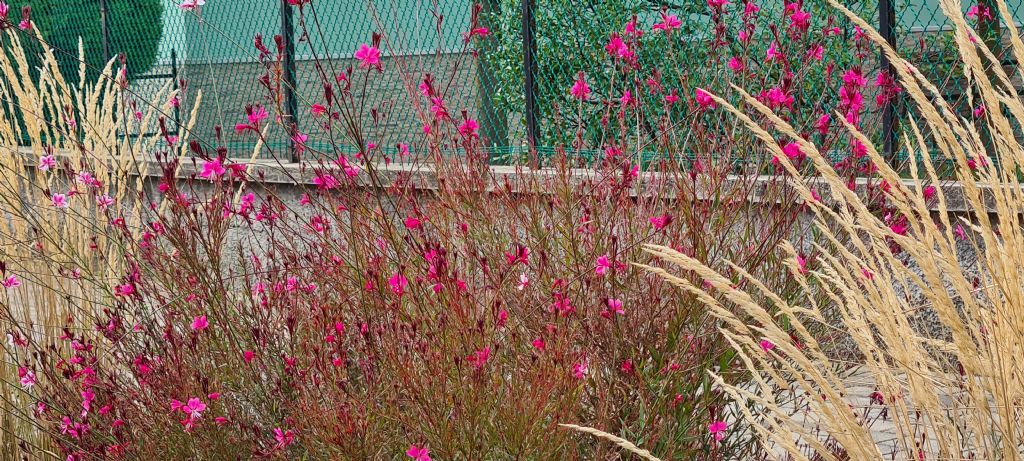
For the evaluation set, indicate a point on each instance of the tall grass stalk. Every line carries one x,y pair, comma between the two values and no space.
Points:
952,391
62,257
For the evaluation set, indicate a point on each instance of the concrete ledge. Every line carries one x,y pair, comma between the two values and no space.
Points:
423,176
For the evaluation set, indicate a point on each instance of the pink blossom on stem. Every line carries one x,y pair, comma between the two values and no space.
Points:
736,64
617,48
524,282
11,282
480,357
960,233
398,284
212,169
418,453
469,128
47,162
669,22
717,429
773,53
704,99
368,56
284,437
188,5
60,200
26,377
200,323
104,201
580,90
602,265
615,306
661,221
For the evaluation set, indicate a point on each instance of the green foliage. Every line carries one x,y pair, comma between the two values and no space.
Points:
571,37
135,29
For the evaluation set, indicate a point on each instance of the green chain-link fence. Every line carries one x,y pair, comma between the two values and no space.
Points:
211,49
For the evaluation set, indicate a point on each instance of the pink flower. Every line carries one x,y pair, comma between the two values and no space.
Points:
929,192
669,22
766,346
476,32
520,255
248,356
412,223
616,48
704,99
398,283
660,222
200,323
47,162
773,53
978,112
188,5
615,306
718,4
853,78
777,98
816,52
602,265
580,369
961,234
212,169
750,9
283,437
736,64
124,290
11,282
318,110
26,20
539,344
978,12
368,56
801,262
194,408
480,357
822,124
469,128
104,201
524,281
26,377
717,429
627,97
580,90
418,453
299,139
60,200
800,20
792,150
257,115
632,29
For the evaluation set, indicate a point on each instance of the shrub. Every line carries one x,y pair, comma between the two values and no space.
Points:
420,303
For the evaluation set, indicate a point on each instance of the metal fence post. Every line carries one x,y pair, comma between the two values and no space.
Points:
174,83
105,31
886,18
290,116
529,82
